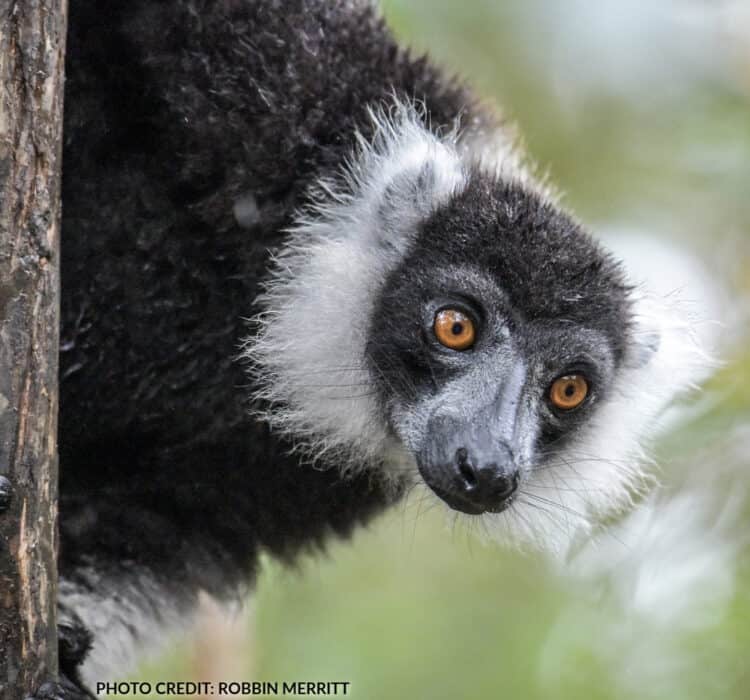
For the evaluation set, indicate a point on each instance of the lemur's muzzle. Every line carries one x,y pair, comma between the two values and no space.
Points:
469,465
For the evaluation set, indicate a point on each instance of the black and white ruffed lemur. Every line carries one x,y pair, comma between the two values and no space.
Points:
302,270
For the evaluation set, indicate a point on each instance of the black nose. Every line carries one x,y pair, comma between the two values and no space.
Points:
483,486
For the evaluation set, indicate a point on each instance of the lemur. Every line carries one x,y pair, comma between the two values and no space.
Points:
304,270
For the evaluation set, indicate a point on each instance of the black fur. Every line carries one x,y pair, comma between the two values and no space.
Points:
551,270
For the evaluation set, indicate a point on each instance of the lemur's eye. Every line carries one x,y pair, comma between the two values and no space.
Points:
568,392
454,329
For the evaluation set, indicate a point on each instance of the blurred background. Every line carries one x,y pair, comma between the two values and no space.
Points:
641,113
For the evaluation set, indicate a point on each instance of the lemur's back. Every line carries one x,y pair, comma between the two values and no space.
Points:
175,112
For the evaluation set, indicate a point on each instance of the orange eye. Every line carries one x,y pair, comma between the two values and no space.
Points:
568,392
454,329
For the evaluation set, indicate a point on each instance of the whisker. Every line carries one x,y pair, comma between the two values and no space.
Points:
555,504
569,489
552,516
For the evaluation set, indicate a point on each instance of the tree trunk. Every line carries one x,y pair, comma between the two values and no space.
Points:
32,40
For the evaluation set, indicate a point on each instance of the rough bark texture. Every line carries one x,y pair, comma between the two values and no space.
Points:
32,39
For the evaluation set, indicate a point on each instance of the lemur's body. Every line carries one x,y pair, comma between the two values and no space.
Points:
195,131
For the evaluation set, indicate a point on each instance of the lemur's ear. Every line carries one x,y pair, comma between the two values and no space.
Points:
403,174
645,346
665,351
411,194
650,329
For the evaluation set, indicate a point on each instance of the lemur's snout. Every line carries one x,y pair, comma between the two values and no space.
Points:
470,467
488,486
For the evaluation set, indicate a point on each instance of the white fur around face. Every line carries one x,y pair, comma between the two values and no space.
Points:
309,354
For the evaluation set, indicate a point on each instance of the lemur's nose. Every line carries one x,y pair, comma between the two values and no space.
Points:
487,485
473,466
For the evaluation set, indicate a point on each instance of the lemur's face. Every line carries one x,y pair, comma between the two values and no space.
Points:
493,343
436,321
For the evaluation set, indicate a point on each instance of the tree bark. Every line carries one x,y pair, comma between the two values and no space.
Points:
32,41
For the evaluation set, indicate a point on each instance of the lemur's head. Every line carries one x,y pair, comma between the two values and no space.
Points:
440,319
